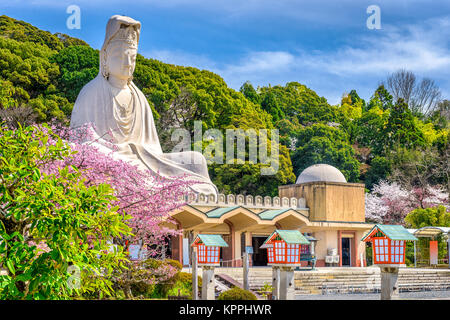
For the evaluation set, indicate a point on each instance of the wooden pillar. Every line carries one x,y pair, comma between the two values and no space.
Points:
231,249
354,251
194,276
191,237
340,248
448,250
415,255
177,245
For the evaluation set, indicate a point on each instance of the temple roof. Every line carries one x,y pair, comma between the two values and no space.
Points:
218,212
289,236
431,231
271,214
210,240
393,232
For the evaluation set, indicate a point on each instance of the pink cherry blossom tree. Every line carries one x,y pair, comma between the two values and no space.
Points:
389,202
148,198
145,197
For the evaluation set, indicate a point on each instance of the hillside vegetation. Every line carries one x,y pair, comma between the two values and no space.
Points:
41,75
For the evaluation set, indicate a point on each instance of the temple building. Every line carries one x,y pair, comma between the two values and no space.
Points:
321,205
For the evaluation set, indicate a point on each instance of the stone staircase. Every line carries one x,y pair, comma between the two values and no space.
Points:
225,282
347,280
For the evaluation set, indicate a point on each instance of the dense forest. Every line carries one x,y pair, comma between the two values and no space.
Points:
399,135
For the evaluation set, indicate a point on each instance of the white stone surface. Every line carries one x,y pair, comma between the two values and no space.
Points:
121,115
248,201
208,283
321,172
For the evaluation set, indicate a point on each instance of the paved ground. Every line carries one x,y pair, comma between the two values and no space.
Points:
424,295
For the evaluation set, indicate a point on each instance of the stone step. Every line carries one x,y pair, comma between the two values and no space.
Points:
349,281
354,281
347,277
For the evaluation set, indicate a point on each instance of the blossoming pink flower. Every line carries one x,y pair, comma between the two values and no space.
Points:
148,198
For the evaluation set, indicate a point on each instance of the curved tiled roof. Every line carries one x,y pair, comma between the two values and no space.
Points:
271,214
266,215
393,232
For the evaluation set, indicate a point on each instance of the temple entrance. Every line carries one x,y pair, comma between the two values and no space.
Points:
346,252
259,256
226,254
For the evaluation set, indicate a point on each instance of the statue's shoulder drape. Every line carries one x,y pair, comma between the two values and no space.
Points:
132,129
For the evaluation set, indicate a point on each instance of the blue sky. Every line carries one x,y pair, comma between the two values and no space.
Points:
323,44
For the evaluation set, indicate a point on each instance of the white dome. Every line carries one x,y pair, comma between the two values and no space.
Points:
321,172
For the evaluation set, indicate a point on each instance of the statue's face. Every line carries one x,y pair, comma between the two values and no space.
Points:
121,60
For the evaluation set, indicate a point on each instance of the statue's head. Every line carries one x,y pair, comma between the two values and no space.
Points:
118,54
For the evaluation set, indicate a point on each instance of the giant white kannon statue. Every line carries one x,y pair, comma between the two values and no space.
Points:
120,112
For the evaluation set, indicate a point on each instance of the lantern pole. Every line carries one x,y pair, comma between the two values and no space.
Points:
389,282
275,282
246,271
287,288
208,282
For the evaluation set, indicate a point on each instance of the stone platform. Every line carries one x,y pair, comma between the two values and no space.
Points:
347,280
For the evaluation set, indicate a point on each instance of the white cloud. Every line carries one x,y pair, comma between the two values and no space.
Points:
423,49
261,62
181,58
318,12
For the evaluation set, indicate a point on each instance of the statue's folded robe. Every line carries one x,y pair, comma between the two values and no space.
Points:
135,134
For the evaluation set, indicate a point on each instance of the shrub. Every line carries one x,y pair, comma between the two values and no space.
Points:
142,288
152,263
150,278
237,294
174,263
53,223
185,289
187,278
183,282
266,288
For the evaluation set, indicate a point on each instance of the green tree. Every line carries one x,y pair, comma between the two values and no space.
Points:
78,65
297,100
381,98
324,144
371,126
401,127
250,93
52,222
270,105
436,216
29,77
247,179
380,169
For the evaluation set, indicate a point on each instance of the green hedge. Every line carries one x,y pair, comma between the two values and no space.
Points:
237,294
